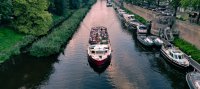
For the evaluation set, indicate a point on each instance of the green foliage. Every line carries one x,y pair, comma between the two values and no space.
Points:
59,19
31,16
191,3
8,38
11,42
52,43
5,9
188,48
74,4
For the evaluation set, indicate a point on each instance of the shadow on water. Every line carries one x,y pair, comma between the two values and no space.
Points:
172,73
25,72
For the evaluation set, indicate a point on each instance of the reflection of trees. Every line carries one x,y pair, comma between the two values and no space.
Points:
28,73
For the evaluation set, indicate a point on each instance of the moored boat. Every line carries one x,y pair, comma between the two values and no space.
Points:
193,80
141,29
175,56
145,40
156,41
99,49
130,21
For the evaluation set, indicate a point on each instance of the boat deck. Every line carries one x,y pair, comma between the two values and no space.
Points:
98,35
193,63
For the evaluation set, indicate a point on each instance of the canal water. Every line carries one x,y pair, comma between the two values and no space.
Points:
131,67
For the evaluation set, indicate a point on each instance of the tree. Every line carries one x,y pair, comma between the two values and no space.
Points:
31,16
74,4
5,10
175,4
195,4
59,7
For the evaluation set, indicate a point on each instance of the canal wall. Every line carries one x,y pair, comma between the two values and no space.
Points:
189,32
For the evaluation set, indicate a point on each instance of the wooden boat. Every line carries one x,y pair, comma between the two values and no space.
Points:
145,40
99,49
193,80
175,56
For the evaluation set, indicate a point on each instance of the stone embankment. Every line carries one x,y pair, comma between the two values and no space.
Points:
189,32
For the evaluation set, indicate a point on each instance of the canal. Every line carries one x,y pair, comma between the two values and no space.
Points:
131,66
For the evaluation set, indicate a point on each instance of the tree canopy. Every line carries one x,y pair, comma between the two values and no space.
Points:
31,16
195,4
5,10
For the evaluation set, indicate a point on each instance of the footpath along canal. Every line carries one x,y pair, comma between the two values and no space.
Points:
131,66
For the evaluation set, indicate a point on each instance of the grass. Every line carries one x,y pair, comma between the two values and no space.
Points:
8,38
188,48
12,42
51,44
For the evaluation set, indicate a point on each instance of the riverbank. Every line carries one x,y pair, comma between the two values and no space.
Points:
52,43
185,46
188,48
188,31
138,17
12,42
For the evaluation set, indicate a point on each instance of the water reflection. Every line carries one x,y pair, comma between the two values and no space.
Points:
132,67
99,69
26,72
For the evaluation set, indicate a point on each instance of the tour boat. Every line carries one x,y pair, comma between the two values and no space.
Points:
193,80
99,69
145,40
175,56
99,49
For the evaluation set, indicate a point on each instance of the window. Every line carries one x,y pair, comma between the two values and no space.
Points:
176,56
99,52
180,57
143,27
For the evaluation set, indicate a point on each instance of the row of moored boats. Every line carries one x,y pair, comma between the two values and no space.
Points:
140,29
171,54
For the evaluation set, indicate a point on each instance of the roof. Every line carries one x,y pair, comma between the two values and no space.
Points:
99,47
176,52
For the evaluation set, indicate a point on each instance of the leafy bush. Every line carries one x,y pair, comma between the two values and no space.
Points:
52,43
188,48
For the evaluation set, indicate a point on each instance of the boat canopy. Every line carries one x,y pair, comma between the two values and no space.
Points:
177,54
99,49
